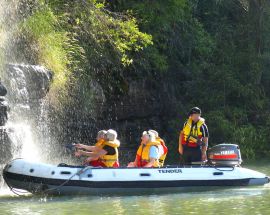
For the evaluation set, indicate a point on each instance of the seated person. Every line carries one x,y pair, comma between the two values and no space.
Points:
100,140
163,150
148,152
104,153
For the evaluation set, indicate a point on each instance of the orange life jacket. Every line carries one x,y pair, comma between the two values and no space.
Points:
107,160
143,152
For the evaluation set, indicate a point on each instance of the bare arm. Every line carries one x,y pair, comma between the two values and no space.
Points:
151,163
136,162
204,148
205,140
91,156
133,164
85,153
101,152
86,147
180,146
94,154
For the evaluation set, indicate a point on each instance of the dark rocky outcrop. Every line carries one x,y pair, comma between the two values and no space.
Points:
26,86
147,104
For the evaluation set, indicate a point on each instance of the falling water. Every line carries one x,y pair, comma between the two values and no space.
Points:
27,87
8,28
5,32
26,99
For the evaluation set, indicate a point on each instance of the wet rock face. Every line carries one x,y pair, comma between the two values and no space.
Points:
27,83
145,105
26,86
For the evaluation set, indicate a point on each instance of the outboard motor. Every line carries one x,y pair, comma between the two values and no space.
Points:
224,155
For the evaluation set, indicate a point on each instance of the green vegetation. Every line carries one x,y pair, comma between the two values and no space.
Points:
214,53
51,42
220,50
71,37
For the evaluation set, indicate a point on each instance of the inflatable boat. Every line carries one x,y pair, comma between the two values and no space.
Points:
67,179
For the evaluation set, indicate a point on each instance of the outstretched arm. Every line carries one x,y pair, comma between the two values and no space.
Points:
86,147
79,153
97,153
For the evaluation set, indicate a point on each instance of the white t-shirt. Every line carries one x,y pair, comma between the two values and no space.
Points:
156,152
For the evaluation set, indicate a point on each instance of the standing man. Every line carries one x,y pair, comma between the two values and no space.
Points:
193,139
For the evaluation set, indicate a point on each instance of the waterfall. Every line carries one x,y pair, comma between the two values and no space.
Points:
26,134
8,28
27,86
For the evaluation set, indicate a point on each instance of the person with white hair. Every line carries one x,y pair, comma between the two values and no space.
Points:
104,153
148,153
163,150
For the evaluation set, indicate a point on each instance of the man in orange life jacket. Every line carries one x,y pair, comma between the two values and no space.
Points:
105,151
148,152
193,140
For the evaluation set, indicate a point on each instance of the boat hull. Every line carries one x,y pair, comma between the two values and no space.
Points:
38,178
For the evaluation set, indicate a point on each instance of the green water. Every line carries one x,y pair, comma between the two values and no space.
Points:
248,200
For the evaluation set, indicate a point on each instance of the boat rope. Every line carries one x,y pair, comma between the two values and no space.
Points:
65,182
14,190
17,192
21,192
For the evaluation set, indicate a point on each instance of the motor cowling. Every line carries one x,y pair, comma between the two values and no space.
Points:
224,154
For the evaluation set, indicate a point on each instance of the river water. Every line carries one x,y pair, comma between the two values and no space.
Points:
241,200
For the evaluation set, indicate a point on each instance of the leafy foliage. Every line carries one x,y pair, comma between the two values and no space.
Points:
213,54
